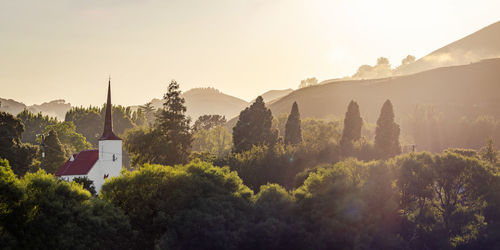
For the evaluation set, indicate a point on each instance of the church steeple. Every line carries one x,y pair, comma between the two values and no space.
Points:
108,122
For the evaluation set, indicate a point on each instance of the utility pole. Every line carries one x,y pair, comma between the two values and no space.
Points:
43,149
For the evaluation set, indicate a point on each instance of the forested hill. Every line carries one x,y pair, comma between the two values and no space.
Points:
466,90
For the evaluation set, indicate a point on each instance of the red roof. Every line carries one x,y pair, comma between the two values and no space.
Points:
81,165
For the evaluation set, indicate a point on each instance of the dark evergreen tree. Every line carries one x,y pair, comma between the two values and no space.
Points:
55,156
172,127
20,155
293,132
352,128
254,127
387,133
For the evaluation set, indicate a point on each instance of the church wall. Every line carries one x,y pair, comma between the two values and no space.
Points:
109,163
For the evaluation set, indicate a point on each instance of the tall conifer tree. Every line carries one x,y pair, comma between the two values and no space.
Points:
293,132
172,129
55,156
352,128
387,133
254,127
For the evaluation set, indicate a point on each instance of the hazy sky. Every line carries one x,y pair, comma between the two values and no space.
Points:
65,49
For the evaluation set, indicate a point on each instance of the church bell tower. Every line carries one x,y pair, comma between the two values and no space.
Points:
110,145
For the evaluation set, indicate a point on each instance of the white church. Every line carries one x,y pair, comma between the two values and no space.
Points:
97,164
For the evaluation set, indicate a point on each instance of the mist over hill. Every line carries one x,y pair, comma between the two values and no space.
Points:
55,108
482,44
466,90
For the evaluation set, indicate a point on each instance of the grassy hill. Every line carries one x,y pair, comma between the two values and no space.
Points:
273,95
466,90
477,46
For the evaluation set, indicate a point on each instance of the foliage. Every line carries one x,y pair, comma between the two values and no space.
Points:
352,128
88,122
55,156
87,184
169,140
139,117
39,211
172,127
208,122
20,155
34,124
254,127
442,199
277,164
149,113
387,133
196,206
72,141
308,82
489,152
293,133
216,141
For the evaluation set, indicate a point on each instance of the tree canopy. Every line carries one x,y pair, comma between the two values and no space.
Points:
293,132
387,133
254,127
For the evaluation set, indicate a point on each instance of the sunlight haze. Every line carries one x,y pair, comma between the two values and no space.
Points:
65,49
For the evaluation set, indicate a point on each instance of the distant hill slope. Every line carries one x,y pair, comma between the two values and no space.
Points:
471,90
273,95
11,106
56,108
209,101
477,46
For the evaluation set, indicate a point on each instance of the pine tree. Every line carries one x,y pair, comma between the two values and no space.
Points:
172,128
254,127
387,133
352,128
55,156
293,132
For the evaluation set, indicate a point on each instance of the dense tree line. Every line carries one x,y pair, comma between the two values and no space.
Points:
412,201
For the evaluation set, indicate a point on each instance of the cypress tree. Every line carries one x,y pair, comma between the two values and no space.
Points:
55,156
293,132
254,127
352,128
387,133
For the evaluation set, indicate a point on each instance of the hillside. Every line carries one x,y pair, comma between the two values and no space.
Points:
209,101
469,90
11,106
477,46
56,108
274,95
